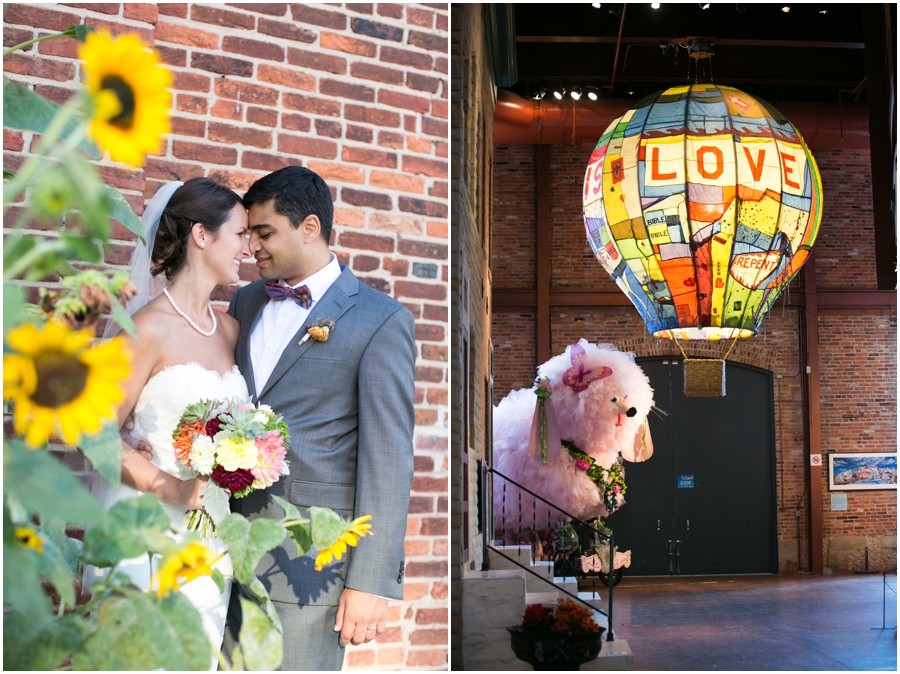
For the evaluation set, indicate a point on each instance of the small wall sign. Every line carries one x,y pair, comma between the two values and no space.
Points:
685,481
815,459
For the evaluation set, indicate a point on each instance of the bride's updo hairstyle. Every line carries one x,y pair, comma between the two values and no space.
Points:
198,200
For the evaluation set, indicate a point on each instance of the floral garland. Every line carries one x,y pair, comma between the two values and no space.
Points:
610,482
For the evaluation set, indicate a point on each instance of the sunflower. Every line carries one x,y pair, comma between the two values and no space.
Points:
59,383
354,531
193,561
29,538
129,86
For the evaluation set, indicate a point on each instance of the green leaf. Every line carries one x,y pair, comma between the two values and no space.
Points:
300,534
16,247
141,631
258,590
44,486
248,542
219,580
215,502
8,175
82,31
127,532
120,210
31,643
70,548
104,450
290,510
12,305
21,582
27,111
123,318
52,566
327,527
261,643
81,248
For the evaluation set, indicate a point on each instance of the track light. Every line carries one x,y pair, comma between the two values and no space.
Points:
592,93
559,92
596,5
786,9
575,93
539,92
654,5
703,5
823,9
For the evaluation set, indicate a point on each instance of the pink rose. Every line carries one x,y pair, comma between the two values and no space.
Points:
582,464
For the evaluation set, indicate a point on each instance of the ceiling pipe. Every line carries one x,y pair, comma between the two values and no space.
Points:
520,121
618,45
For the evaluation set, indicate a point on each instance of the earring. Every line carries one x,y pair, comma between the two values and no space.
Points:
202,244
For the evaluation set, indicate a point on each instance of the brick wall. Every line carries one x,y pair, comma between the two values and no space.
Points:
356,92
858,353
472,157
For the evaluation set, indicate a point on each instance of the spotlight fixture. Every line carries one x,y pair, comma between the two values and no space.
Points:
654,5
559,92
539,92
596,5
703,5
575,93
592,93
786,9
823,9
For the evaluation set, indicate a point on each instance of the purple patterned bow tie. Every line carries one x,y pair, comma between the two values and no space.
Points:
279,292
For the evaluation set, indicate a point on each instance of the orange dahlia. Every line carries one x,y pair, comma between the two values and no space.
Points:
184,438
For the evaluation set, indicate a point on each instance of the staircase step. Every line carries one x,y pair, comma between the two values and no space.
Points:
567,583
595,599
541,598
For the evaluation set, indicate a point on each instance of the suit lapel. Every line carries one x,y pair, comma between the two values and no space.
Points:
340,297
256,303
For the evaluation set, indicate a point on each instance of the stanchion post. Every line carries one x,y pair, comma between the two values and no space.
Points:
612,581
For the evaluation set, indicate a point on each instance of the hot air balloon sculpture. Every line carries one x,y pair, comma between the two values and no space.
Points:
702,203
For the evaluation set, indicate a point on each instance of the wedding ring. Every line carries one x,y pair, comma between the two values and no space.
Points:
371,629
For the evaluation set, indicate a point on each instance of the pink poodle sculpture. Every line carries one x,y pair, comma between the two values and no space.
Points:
565,438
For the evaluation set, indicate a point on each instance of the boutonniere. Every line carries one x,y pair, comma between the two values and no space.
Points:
319,330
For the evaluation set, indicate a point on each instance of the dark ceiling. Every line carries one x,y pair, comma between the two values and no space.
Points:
803,55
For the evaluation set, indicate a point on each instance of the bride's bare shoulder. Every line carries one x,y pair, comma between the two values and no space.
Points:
152,321
230,325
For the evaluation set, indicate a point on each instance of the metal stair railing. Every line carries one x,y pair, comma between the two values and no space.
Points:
487,515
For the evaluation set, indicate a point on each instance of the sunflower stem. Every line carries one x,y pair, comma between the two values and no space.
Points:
20,265
15,186
66,33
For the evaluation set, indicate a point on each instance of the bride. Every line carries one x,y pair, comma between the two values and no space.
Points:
184,352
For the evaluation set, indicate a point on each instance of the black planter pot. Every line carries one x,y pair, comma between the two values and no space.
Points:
547,652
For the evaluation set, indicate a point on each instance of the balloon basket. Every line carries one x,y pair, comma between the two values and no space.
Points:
704,377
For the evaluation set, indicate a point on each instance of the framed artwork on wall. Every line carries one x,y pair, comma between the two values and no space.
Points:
856,472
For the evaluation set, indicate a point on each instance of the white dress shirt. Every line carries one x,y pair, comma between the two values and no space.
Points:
280,321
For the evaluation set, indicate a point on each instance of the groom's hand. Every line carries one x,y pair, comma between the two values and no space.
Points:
141,446
361,617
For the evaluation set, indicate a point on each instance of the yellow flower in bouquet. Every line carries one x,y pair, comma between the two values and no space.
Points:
354,531
58,382
234,453
130,88
194,561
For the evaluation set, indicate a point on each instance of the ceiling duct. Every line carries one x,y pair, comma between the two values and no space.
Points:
520,121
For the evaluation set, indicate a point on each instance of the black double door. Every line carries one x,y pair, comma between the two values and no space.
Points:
704,503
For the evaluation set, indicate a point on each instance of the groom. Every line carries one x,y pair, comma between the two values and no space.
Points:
348,401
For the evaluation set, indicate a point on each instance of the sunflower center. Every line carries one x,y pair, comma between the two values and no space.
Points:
125,94
60,379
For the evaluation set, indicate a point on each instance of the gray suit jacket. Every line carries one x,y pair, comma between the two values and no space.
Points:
348,403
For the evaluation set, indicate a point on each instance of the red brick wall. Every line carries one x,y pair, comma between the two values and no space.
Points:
513,237
356,92
858,352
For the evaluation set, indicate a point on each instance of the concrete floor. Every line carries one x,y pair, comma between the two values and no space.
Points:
721,623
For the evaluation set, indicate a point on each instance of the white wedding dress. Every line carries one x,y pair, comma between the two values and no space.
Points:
156,414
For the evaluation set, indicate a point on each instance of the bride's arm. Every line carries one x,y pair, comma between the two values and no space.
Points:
138,472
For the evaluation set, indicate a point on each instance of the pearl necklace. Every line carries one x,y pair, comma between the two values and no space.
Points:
212,315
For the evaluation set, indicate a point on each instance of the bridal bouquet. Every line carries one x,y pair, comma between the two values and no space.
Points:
240,446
